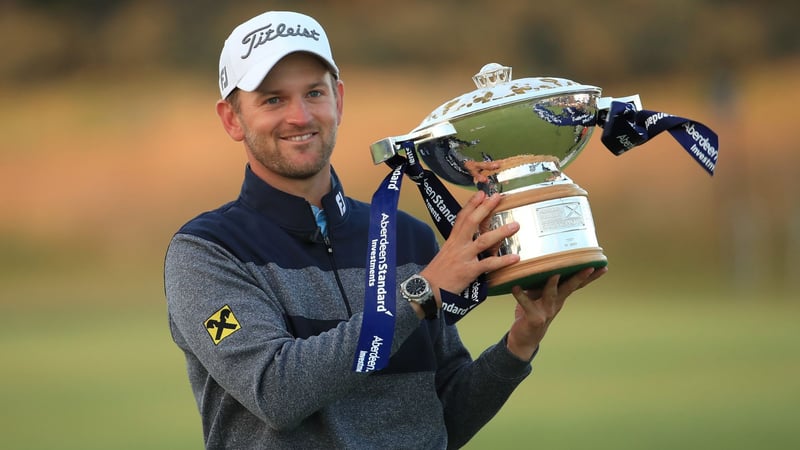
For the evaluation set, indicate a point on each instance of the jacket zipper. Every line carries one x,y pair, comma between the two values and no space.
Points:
336,274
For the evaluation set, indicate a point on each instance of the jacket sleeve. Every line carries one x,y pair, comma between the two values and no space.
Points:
472,392
279,378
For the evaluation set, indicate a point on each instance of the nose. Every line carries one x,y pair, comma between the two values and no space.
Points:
299,112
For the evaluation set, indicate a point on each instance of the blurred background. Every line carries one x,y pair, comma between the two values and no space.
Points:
110,143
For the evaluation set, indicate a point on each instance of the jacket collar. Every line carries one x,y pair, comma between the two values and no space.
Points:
289,211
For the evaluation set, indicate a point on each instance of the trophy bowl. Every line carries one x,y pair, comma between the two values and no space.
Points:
515,137
516,122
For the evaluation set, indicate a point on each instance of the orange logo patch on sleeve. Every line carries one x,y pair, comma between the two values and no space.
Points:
222,324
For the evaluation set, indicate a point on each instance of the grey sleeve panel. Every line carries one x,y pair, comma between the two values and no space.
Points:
473,392
274,375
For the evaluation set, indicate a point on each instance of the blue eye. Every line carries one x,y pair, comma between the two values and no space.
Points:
273,100
315,94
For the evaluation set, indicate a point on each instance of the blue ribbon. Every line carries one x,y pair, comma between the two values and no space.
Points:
377,323
624,127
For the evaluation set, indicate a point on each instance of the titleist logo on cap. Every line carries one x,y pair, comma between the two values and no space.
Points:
261,36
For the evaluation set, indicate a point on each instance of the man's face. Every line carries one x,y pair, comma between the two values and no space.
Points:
290,121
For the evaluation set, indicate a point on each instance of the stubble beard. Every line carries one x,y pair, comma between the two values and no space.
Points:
275,160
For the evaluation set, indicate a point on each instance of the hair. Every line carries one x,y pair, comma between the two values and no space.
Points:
233,99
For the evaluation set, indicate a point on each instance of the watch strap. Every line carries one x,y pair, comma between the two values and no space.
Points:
429,307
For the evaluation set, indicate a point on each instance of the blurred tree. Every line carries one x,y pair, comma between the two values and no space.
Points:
598,41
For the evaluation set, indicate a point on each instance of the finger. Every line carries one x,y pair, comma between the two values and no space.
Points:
476,199
493,263
576,281
463,230
478,208
473,203
490,239
550,290
597,274
520,295
555,296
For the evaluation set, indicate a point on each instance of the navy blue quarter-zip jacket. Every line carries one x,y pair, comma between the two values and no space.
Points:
268,312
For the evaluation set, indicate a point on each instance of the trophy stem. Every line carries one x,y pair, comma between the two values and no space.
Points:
556,236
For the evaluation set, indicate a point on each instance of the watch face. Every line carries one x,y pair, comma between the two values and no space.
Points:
416,286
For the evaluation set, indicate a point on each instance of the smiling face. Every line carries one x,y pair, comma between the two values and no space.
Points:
288,125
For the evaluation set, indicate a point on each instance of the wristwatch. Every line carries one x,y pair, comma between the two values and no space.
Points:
417,289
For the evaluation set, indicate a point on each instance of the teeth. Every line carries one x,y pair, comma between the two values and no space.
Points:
300,138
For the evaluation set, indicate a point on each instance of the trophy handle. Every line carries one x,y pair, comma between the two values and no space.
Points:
604,105
386,148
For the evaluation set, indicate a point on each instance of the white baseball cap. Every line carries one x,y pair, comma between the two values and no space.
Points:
255,46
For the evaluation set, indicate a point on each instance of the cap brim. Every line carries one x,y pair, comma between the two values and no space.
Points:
255,76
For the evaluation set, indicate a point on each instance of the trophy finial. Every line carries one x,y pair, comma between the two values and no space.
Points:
491,75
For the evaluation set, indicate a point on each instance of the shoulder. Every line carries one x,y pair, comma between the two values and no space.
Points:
207,221
233,227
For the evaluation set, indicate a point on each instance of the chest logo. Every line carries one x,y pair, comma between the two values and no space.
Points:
222,324
340,202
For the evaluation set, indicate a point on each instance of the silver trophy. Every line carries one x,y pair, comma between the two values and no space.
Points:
515,137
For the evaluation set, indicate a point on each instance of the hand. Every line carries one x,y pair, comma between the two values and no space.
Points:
457,264
537,308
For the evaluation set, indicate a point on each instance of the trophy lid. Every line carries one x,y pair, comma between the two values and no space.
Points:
496,89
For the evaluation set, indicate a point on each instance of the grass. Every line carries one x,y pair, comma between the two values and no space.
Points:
628,373
622,372
88,380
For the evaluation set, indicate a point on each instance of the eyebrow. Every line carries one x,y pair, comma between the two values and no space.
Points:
310,86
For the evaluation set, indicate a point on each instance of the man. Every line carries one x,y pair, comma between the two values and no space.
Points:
265,294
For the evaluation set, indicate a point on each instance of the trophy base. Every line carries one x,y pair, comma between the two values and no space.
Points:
556,236
534,273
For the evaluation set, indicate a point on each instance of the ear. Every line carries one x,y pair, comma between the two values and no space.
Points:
339,101
230,120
